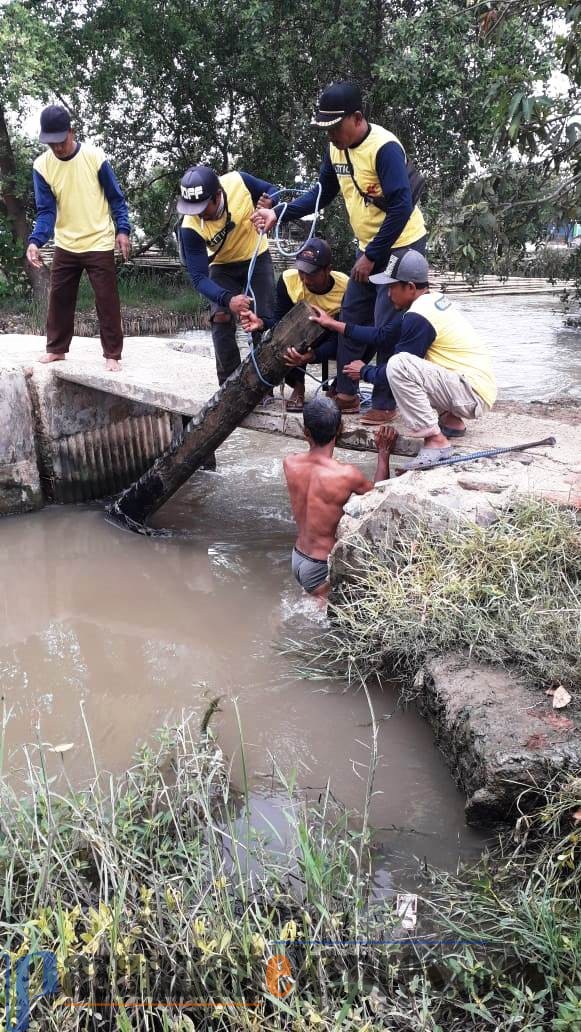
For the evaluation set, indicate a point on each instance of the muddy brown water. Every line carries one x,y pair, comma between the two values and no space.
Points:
140,631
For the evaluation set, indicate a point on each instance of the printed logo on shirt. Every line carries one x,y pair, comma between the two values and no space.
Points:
218,237
394,259
341,170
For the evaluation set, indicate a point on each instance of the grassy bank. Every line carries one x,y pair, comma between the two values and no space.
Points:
154,888
509,594
151,303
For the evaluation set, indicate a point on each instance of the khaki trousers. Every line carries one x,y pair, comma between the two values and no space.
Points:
423,390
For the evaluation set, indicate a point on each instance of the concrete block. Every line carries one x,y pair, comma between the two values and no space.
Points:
93,444
498,735
20,489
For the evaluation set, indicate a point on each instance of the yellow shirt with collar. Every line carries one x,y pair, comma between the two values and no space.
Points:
83,218
367,219
240,238
330,301
457,346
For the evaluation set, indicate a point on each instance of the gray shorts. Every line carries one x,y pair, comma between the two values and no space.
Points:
310,573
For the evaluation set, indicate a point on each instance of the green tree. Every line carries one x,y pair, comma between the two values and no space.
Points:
32,65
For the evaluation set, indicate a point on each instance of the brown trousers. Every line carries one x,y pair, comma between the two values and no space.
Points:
66,272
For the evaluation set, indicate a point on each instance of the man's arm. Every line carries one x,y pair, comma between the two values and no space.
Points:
115,198
282,304
118,206
385,439
266,218
393,176
196,257
257,187
388,334
45,211
416,335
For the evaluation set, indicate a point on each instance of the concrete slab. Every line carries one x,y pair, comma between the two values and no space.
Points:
156,372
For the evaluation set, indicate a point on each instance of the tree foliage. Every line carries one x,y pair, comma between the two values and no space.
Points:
465,85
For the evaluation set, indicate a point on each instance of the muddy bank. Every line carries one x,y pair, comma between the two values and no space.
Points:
493,720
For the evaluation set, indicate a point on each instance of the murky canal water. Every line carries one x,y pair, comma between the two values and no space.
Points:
141,630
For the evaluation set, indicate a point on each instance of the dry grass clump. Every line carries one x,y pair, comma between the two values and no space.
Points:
509,593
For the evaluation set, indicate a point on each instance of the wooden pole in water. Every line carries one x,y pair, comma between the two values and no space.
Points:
207,430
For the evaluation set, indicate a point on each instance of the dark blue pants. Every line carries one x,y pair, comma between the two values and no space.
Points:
232,276
326,348
367,305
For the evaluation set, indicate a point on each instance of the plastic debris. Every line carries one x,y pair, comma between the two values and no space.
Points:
561,697
406,908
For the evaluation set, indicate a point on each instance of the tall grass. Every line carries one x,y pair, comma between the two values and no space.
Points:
152,303
508,594
153,888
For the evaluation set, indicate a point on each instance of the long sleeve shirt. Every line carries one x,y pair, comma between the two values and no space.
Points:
48,208
413,334
196,253
393,176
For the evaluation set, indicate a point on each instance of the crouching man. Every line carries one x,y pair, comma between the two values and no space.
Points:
319,486
440,371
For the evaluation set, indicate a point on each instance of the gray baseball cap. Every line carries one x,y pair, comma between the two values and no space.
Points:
409,267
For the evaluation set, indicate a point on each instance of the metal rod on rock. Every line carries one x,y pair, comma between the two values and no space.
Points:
489,453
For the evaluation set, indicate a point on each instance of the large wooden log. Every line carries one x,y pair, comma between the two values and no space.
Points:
207,430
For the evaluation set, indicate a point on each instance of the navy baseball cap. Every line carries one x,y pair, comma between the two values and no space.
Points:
316,254
409,267
336,102
197,187
55,123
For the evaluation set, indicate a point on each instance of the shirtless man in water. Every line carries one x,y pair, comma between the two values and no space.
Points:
319,486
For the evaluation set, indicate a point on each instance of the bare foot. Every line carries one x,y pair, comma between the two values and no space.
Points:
112,365
454,422
49,357
436,441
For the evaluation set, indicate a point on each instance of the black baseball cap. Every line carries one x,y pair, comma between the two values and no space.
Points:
316,254
336,101
55,123
197,187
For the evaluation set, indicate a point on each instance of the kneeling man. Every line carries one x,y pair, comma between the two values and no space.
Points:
319,487
440,371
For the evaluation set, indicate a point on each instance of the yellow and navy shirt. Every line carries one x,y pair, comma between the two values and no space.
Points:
379,168
290,290
432,328
367,219
79,200
231,238
330,301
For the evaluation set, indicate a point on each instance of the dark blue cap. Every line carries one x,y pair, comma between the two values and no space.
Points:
197,187
336,102
55,123
316,254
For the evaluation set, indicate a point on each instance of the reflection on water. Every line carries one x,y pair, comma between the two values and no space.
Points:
140,630
535,356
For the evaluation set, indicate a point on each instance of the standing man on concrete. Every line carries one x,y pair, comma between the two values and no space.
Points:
312,280
218,242
79,200
367,164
